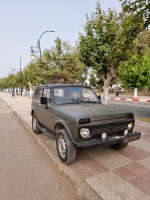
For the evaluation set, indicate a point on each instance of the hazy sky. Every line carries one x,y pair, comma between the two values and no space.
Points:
22,23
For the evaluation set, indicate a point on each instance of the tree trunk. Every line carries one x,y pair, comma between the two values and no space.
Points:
106,89
135,92
107,79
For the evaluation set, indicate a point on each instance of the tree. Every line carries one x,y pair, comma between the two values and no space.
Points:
142,43
138,7
60,63
6,82
107,42
36,73
64,63
136,72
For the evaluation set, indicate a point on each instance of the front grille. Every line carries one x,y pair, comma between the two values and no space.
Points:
111,129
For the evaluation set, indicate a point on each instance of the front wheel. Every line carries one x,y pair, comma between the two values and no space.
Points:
65,148
35,127
119,146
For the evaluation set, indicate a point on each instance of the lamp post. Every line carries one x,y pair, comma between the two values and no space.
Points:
38,46
20,77
12,76
40,39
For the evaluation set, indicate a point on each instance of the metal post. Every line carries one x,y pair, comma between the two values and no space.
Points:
12,79
39,46
20,77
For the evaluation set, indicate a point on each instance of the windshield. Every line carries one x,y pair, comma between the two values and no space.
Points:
74,95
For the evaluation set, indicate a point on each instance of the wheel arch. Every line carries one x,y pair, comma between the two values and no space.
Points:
60,124
32,112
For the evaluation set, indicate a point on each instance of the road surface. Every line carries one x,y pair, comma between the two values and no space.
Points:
26,173
141,110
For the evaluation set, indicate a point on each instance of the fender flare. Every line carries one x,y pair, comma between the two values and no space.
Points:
64,124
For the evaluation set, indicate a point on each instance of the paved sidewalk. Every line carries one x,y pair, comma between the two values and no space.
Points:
99,172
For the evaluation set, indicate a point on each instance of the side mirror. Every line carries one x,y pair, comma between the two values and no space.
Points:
99,97
43,100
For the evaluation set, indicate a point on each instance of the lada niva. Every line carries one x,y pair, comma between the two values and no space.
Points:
76,117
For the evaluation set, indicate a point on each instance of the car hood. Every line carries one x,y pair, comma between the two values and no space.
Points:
94,112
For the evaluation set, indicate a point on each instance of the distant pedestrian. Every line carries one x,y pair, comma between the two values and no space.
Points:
13,93
117,91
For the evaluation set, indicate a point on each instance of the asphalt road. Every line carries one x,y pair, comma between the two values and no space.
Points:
141,110
26,173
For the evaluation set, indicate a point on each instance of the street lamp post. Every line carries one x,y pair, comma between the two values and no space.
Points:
20,77
38,47
12,76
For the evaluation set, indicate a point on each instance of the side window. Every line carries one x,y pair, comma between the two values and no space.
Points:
37,94
47,93
59,92
86,93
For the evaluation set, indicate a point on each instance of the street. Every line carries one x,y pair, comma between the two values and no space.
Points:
128,169
25,170
141,110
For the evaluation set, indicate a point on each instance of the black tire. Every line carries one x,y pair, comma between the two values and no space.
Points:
65,147
35,127
119,146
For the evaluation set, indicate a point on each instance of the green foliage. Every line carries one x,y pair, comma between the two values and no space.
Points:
142,43
93,80
107,41
136,72
6,82
141,8
64,62
35,73
60,63
98,45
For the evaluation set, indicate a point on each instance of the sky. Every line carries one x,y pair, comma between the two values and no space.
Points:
22,23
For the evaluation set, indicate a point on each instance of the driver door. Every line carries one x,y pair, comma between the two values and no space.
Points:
45,110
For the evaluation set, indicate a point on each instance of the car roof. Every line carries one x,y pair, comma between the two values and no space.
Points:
62,85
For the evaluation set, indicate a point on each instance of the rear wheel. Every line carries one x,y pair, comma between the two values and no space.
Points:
65,148
35,127
119,146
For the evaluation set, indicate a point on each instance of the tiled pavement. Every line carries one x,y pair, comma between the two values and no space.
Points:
114,175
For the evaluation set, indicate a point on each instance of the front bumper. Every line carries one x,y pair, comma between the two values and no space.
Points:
109,141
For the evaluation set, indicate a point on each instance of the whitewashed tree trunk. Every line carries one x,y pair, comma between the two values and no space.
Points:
24,90
30,91
15,90
106,89
135,92
105,95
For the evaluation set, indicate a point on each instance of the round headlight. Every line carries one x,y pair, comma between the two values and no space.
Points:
104,136
85,133
130,126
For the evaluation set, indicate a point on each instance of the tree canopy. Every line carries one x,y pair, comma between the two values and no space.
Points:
136,72
139,8
107,41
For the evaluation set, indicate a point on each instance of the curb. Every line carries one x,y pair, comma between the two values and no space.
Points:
127,99
82,188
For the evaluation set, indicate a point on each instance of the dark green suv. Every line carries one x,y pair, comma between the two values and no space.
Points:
75,116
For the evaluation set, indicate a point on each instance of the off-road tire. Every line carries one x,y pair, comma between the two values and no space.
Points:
65,147
119,146
35,127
